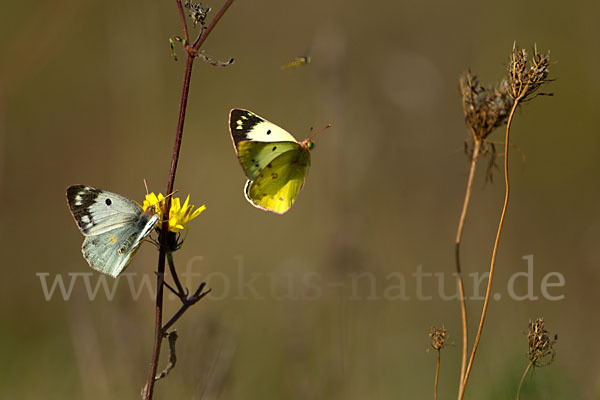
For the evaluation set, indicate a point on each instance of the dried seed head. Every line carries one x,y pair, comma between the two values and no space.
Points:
541,347
485,108
438,337
525,80
198,13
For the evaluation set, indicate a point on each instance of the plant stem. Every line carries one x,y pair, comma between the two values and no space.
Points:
186,36
180,291
437,374
523,378
190,301
212,24
488,290
459,232
158,328
158,336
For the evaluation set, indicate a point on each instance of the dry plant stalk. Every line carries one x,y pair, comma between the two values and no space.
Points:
172,338
541,348
439,337
524,80
485,109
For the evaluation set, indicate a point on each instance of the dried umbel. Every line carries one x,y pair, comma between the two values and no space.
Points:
525,78
541,346
438,337
198,13
485,108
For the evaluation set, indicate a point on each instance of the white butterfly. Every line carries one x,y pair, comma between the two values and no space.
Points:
113,226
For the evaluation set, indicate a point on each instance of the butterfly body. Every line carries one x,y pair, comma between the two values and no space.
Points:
113,226
273,160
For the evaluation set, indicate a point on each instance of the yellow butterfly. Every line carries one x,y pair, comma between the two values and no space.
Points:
273,160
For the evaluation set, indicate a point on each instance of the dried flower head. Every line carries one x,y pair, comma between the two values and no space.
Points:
541,347
438,337
524,79
485,108
198,13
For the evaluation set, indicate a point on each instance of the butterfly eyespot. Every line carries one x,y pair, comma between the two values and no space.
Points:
274,148
269,132
108,202
281,199
113,240
274,175
269,165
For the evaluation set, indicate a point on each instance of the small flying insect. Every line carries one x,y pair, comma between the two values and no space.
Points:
299,61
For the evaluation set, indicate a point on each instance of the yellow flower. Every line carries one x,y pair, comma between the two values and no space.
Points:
152,201
179,215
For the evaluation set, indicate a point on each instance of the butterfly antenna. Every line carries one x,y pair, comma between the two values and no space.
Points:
312,135
147,192
162,202
146,185
171,194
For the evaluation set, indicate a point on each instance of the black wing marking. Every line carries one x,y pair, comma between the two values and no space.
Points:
240,123
80,199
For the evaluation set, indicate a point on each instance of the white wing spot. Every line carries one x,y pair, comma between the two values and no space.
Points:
85,219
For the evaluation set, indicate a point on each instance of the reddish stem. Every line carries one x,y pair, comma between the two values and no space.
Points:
212,24
191,54
158,336
186,36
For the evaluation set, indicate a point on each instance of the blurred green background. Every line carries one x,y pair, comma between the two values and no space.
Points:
89,94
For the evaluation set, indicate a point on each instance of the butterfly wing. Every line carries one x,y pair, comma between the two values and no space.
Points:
114,227
256,156
276,187
244,125
97,211
110,251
